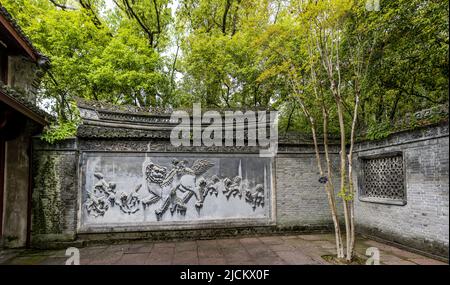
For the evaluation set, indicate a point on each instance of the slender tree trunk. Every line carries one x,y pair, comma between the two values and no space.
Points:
343,164
343,191
329,187
350,176
330,190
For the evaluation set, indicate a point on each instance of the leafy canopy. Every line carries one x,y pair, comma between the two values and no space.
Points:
236,53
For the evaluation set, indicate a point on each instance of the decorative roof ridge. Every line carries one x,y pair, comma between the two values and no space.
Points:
107,107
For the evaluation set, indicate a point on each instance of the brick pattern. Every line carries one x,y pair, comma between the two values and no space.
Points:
422,223
300,198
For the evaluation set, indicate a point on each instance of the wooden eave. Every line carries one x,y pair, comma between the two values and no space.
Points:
19,107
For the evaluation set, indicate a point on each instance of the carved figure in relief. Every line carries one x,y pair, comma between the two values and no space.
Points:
154,174
96,205
181,180
129,203
105,188
212,186
255,197
232,187
202,185
102,195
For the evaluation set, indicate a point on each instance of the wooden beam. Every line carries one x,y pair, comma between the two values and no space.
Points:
16,105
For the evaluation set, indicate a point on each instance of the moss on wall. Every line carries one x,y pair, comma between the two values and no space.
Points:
47,204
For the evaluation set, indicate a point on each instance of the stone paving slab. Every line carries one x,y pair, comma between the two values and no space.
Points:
211,243
212,261
261,250
209,253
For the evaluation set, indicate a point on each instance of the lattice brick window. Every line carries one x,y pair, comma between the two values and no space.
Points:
382,179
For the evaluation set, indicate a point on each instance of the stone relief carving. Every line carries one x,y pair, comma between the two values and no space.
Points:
172,188
96,205
98,201
255,197
104,188
104,195
232,187
212,186
129,203
182,181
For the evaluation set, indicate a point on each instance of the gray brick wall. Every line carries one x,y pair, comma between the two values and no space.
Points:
423,223
300,199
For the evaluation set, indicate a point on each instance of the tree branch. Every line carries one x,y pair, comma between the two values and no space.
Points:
143,26
62,6
87,5
225,15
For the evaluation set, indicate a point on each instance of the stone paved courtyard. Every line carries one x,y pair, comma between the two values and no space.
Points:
263,250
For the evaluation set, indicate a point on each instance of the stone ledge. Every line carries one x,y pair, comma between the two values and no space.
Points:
178,235
383,201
